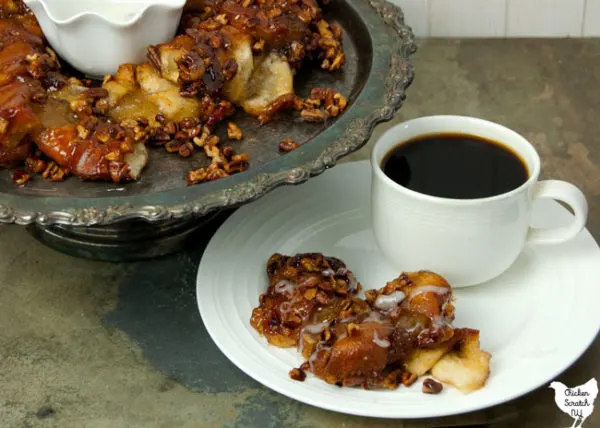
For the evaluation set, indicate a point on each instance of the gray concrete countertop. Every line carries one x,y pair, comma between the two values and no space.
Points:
91,344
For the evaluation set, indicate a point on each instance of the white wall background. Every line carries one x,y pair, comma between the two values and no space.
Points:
502,18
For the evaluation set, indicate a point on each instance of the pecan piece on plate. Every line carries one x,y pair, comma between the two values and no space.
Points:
431,386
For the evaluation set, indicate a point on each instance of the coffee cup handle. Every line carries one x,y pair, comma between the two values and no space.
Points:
570,195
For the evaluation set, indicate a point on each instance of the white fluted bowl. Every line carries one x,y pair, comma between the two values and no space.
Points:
96,36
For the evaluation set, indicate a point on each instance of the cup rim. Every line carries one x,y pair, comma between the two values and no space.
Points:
533,173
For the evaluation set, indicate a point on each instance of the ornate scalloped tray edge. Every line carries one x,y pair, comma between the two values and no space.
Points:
399,77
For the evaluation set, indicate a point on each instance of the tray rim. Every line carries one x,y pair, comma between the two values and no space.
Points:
354,128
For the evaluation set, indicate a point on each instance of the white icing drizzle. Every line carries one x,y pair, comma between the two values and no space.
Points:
313,357
440,322
352,282
306,281
374,316
315,328
414,328
285,307
389,302
301,342
310,329
428,289
341,271
328,273
383,343
284,286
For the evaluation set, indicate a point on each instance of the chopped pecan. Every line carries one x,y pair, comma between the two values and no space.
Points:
296,54
40,64
236,166
329,42
312,103
222,19
230,69
35,165
129,123
336,30
313,115
81,107
181,135
82,132
337,63
173,146
153,54
201,140
139,134
298,374
273,13
281,103
103,136
171,128
310,294
53,81
287,145
194,132
158,136
227,151
94,93
430,386
188,123
258,46
212,141
53,172
197,176
234,132
408,378
371,296
210,24
332,110
191,67
392,379
20,177
215,40
340,101
113,156
322,94
186,150
215,173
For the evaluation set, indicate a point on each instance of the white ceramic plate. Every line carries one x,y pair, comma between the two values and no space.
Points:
535,320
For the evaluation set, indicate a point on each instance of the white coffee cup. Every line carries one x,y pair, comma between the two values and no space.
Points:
468,241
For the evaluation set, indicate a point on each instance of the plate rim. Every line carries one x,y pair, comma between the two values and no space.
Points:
431,413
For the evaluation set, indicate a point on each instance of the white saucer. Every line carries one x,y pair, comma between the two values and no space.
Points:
535,320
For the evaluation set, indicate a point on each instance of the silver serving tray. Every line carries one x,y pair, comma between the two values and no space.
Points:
378,71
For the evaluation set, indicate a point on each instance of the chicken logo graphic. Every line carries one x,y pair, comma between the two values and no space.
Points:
577,402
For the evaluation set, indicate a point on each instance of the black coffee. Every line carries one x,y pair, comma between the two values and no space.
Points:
455,166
